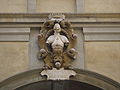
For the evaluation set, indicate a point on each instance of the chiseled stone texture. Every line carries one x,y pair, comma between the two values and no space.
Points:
79,62
103,58
13,58
13,6
55,6
56,74
102,6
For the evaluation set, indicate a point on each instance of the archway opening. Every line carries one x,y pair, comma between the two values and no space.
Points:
59,85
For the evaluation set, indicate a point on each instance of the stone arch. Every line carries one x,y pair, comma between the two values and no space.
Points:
83,77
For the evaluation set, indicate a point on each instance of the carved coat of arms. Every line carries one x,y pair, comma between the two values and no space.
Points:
56,41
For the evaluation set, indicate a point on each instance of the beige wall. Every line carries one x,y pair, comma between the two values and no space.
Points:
13,58
103,58
102,6
90,6
13,6
55,5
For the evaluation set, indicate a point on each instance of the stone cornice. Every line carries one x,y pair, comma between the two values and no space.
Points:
84,20
68,15
77,20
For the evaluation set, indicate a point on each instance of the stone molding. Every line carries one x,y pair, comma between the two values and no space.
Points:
69,15
101,34
14,34
77,20
84,76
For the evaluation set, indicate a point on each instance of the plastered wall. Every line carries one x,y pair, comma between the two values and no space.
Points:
13,58
55,6
13,6
102,6
67,6
103,58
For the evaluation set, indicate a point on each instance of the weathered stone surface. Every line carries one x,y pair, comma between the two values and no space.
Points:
34,49
57,50
31,6
13,6
103,58
14,34
13,58
102,6
32,77
55,6
79,62
101,34
80,6
60,74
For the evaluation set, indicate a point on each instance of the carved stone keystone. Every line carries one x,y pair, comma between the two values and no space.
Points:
56,74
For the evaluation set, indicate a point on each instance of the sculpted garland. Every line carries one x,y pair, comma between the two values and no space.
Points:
57,41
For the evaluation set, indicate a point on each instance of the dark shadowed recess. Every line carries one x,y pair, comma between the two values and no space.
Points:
59,85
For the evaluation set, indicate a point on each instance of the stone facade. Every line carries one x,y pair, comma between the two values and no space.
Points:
62,6
14,58
103,58
13,6
98,34
102,6
56,6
